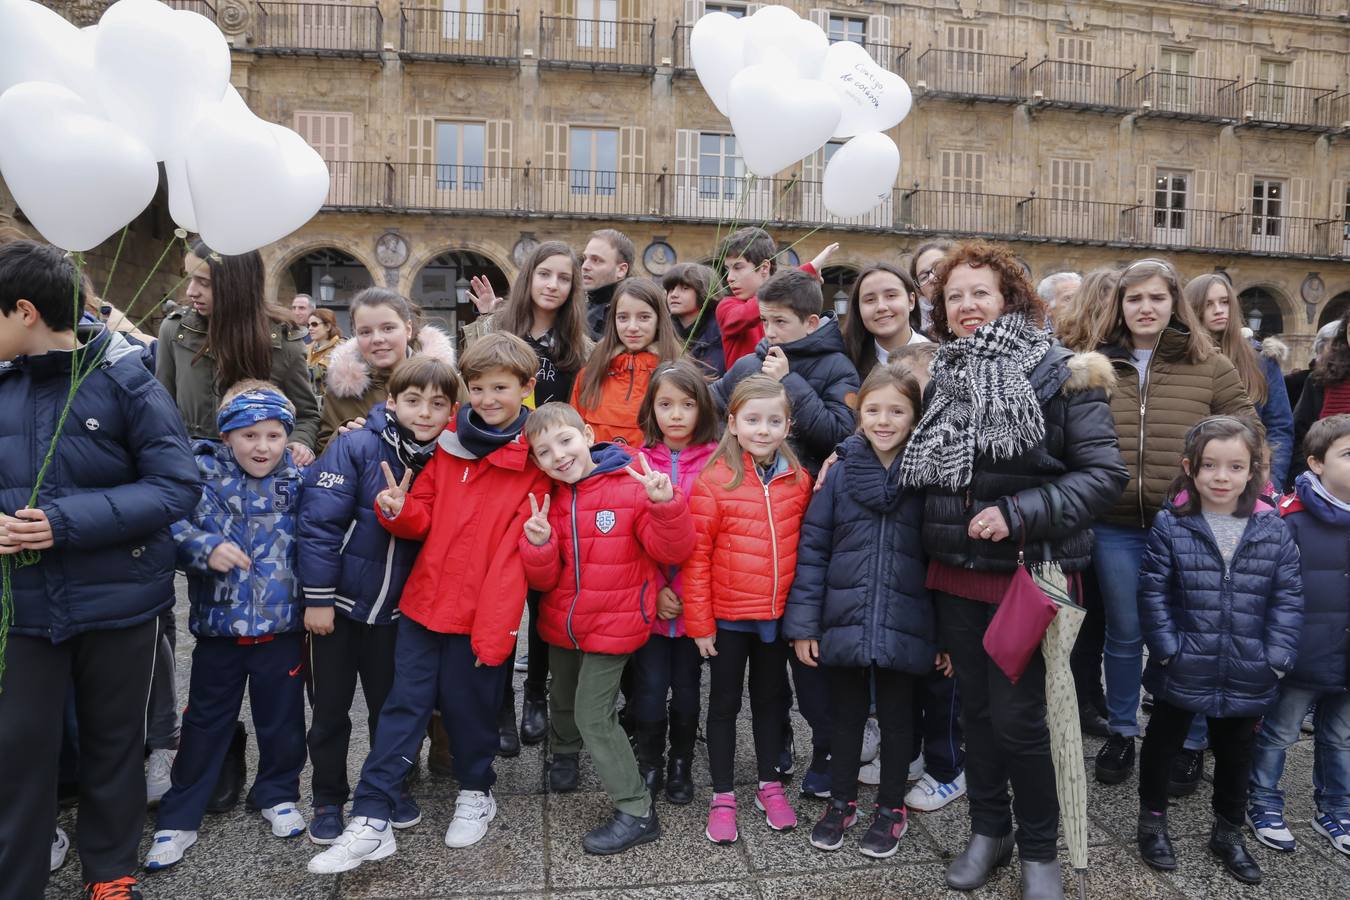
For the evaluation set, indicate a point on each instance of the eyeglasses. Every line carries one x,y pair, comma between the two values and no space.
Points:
925,277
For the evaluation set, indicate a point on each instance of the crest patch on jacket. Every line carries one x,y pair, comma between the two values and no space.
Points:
604,520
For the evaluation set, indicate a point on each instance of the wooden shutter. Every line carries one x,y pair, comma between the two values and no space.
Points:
1298,72
421,158
1300,235
1338,211
1204,195
633,168
330,134
1300,198
752,8
693,11
822,18
1336,207
627,11
1242,192
879,30
684,190
498,144
556,142
1143,184
1200,63
1251,67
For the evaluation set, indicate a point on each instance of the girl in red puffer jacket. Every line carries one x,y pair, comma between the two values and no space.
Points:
748,506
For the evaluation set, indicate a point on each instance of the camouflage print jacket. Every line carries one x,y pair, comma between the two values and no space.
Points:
259,516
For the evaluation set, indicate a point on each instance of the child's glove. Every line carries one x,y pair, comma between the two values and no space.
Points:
537,529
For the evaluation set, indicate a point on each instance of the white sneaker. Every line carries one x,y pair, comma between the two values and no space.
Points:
286,819
363,840
168,847
916,766
929,794
473,811
60,847
159,774
870,773
871,744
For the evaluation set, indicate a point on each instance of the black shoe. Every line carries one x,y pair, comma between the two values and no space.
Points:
1146,701
1091,722
1187,768
563,771
679,778
651,754
839,816
534,717
622,832
230,783
787,757
1225,842
1115,761
1155,845
508,739
882,839
976,864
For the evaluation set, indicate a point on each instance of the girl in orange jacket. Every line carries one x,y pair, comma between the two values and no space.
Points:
639,335
748,506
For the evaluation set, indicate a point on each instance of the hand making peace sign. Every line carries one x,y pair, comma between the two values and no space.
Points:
390,500
658,485
537,529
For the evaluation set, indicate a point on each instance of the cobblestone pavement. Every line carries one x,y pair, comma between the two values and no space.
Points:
534,847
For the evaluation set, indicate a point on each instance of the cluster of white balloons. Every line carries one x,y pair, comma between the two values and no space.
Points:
788,91
87,113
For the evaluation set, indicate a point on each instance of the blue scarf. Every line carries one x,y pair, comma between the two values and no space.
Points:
251,407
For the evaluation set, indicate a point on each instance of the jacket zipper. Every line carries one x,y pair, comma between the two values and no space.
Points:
576,566
773,539
642,602
1143,408
673,570
876,585
632,374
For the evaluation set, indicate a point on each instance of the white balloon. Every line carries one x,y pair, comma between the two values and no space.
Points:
77,177
252,182
157,67
36,44
860,175
777,28
717,50
180,195
779,118
872,99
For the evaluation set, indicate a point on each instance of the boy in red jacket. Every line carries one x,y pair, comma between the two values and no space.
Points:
594,547
461,606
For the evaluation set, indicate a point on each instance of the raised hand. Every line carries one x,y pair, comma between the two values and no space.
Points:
228,556
390,500
775,364
484,297
537,529
659,488
823,256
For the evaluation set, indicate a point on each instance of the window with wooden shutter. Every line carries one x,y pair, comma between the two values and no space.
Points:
330,134
1300,233
555,143
1074,55
961,171
498,174
593,161
1340,212
1268,201
879,45
461,154
633,168
1071,179
969,41
1068,210
1173,88
421,161
1171,205
840,28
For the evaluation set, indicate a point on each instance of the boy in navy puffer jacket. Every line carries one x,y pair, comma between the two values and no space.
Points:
353,572
1318,513
238,550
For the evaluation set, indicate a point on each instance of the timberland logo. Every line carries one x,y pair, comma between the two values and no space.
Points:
604,520
91,424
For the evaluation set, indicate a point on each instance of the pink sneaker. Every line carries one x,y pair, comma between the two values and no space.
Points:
777,811
722,819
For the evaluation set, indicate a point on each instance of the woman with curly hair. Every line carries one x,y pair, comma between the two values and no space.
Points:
1327,392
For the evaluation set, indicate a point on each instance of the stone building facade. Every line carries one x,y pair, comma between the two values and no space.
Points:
458,132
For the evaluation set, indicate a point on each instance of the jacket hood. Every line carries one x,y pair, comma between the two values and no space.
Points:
94,340
215,460
1319,502
376,420
826,339
1062,369
349,375
608,458
874,487
1273,349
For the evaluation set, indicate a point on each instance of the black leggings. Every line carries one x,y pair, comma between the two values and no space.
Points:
536,676
850,695
667,667
1230,739
736,649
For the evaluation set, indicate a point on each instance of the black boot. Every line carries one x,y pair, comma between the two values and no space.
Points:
508,739
679,773
1115,760
1188,767
534,716
1225,842
1091,721
230,784
1155,845
651,750
977,862
622,832
563,771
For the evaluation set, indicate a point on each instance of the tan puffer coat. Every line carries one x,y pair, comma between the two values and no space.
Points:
1152,424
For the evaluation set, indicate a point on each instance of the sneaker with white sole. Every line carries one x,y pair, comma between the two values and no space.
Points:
473,811
60,847
916,767
930,795
1334,829
1270,829
159,774
871,745
286,819
363,840
167,848
870,773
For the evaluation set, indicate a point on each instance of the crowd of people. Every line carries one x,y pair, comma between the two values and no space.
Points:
628,480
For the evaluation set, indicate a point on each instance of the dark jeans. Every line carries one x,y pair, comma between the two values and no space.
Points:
735,651
936,727
1231,741
111,672
849,698
162,726
813,701
222,669
667,666
1086,660
335,661
536,676
1006,735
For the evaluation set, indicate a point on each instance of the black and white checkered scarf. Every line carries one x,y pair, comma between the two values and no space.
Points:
981,402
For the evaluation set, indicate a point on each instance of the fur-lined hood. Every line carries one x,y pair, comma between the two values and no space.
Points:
1272,348
1088,371
349,376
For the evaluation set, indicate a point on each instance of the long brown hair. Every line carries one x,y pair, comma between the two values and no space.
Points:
569,329
665,344
1231,342
1082,323
686,378
1198,343
754,387
858,341
1219,428
330,322
240,328
1018,294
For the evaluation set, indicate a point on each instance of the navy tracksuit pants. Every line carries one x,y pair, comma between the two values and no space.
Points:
222,668
432,671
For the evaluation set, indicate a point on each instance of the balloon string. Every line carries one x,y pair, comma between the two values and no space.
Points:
718,263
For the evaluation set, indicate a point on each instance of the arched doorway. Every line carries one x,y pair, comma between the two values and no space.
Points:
1262,310
442,289
1335,309
332,277
837,282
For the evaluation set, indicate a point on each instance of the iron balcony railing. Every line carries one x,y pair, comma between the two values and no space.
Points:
450,35
597,43
972,74
1297,7
201,7
1187,96
323,29
662,196
1338,110
890,57
1082,85
1285,104
680,59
